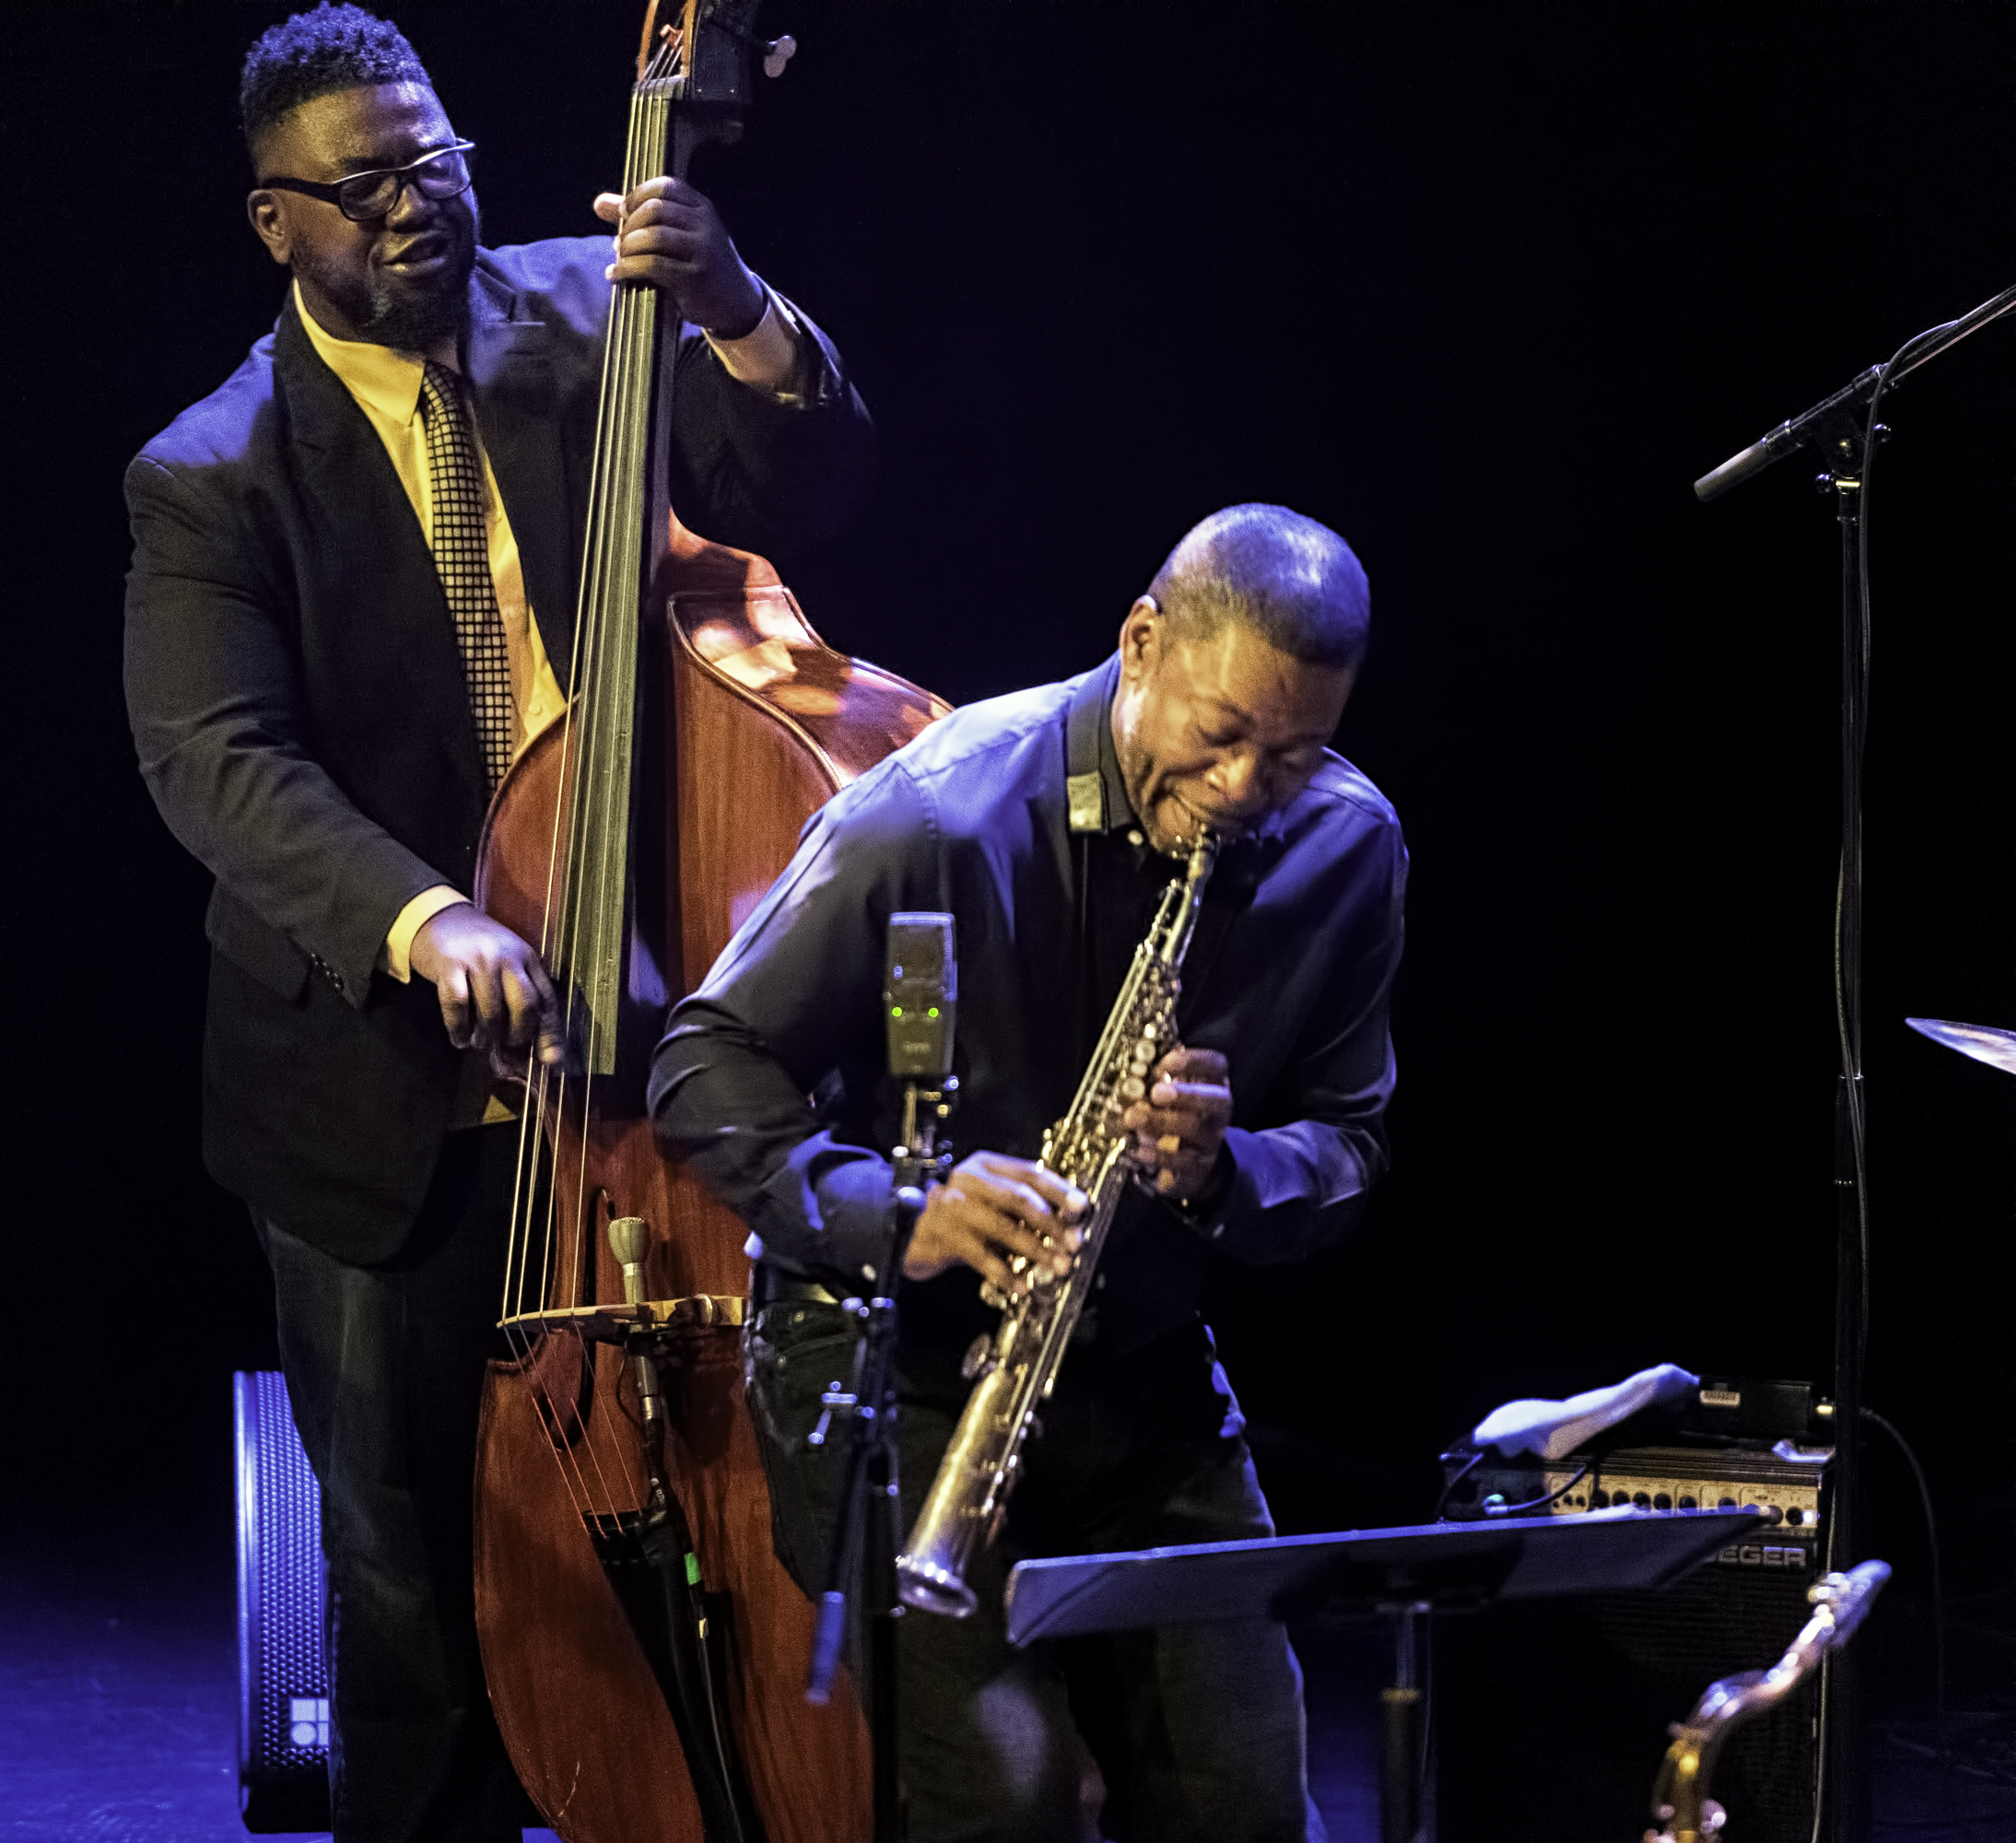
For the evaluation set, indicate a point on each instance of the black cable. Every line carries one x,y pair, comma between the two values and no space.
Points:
1542,1503
1939,1591
1475,1459
1857,649
1549,1499
1471,1465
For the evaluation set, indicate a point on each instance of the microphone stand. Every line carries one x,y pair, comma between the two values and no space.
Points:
1844,430
865,1546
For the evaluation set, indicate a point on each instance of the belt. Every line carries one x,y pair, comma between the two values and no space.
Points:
771,1286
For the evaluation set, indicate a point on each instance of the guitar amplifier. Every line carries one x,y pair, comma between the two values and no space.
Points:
283,1677
1571,1701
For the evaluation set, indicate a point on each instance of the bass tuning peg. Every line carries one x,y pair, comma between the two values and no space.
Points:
777,53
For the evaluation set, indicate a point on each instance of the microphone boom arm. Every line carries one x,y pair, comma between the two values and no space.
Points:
1823,424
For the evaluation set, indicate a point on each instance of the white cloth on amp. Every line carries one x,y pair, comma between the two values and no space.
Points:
1553,1429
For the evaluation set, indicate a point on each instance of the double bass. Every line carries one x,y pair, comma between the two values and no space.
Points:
646,1653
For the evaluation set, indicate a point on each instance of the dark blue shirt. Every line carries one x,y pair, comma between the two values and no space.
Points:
1012,816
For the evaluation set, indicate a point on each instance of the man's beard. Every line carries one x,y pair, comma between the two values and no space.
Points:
417,316
414,313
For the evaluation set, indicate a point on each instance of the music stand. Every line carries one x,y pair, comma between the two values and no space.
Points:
1406,1574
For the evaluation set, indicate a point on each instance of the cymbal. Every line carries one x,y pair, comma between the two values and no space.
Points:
1984,1042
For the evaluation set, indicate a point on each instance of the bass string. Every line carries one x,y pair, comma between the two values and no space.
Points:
634,338
561,925
591,597
609,598
609,495
533,1139
600,800
646,126
637,342
553,944
547,1101
556,1417
614,501
607,786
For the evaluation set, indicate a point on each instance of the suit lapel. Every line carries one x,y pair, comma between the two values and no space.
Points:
381,603
511,372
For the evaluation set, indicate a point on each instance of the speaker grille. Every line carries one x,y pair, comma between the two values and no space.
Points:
283,1760
1718,1621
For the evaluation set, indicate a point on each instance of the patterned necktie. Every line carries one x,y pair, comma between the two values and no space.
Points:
461,553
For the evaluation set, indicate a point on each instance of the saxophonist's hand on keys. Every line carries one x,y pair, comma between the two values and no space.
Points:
1180,1123
990,1209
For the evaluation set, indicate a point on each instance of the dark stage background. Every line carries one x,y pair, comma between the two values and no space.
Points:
1484,287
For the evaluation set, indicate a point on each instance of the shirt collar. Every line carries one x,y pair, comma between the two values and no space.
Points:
1094,788
384,381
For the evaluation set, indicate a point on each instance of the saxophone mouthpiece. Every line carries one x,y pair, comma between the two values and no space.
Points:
1203,848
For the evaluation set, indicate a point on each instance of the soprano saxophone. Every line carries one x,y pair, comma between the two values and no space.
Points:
1015,1368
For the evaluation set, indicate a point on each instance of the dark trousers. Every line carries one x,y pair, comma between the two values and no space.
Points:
1197,1729
385,1366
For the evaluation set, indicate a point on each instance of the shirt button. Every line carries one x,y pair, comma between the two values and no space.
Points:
1133,836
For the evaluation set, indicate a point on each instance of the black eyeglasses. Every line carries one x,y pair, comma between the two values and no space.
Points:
441,174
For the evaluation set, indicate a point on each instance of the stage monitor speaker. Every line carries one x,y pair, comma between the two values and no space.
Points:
1564,1705
283,1677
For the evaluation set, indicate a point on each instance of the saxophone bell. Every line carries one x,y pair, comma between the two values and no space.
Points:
932,1586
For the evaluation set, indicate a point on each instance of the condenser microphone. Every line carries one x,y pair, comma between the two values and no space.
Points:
921,995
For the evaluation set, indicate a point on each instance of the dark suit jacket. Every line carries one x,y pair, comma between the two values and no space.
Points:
298,700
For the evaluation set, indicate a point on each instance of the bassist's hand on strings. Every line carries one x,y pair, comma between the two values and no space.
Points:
990,1209
1180,1122
671,237
495,993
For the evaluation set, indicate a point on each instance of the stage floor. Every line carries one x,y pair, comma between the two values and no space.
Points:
117,1724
